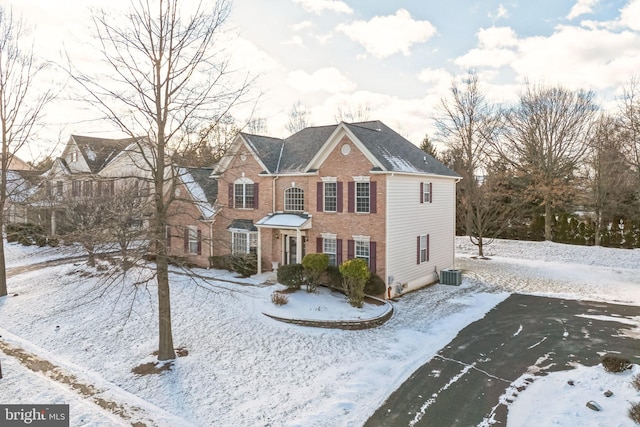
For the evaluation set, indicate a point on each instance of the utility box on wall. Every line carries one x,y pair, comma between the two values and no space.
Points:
451,277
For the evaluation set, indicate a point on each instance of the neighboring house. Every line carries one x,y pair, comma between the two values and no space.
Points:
89,168
191,216
348,190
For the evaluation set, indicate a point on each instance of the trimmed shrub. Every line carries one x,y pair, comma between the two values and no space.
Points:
634,412
355,274
332,277
314,265
245,264
220,262
375,285
615,363
291,275
278,298
26,234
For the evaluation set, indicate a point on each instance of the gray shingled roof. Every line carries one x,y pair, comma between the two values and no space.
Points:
394,152
98,152
267,148
202,177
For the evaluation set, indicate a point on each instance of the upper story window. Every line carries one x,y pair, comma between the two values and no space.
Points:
76,188
363,197
74,156
244,194
426,192
294,199
330,196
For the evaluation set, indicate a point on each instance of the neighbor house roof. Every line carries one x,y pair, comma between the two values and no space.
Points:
391,151
203,190
98,152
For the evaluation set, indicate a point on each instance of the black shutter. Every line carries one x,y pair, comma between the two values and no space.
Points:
372,256
351,195
320,195
373,197
339,196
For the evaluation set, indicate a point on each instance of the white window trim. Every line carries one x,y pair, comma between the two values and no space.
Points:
244,182
287,202
423,249
193,239
426,193
355,196
362,178
251,239
324,196
329,179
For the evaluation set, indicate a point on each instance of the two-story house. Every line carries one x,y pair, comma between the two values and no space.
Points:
355,190
90,167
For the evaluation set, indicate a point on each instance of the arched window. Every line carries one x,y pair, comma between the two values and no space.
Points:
294,199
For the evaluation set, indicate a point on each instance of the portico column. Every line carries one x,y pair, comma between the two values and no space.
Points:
298,246
259,252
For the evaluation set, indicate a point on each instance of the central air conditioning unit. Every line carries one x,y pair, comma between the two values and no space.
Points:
451,277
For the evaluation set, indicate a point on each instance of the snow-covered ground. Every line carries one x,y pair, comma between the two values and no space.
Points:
246,369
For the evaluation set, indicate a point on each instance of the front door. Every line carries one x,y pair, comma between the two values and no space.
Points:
291,249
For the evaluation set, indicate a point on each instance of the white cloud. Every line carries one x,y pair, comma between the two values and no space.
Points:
501,13
497,37
301,25
325,79
318,6
383,36
582,7
580,58
439,79
295,41
630,15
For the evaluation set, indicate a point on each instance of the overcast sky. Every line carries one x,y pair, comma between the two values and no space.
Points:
397,57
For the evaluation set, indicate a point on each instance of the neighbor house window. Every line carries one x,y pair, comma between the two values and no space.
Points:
87,187
74,156
244,242
76,188
362,197
294,199
330,196
192,240
244,194
59,187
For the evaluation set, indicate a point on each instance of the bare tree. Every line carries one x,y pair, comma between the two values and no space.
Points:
609,175
167,73
467,124
546,138
352,114
630,122
298,118
20,108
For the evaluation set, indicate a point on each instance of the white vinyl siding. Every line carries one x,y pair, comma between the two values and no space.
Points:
408,218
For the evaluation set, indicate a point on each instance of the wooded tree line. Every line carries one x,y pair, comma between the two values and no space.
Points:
553,166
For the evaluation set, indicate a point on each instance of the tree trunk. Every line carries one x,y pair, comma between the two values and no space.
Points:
165,344
548,217
3,266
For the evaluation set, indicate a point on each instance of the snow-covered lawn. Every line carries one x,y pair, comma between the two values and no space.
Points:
245,369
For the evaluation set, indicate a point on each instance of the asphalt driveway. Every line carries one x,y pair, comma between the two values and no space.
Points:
462,384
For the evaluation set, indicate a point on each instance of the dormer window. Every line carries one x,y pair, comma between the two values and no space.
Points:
74,156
